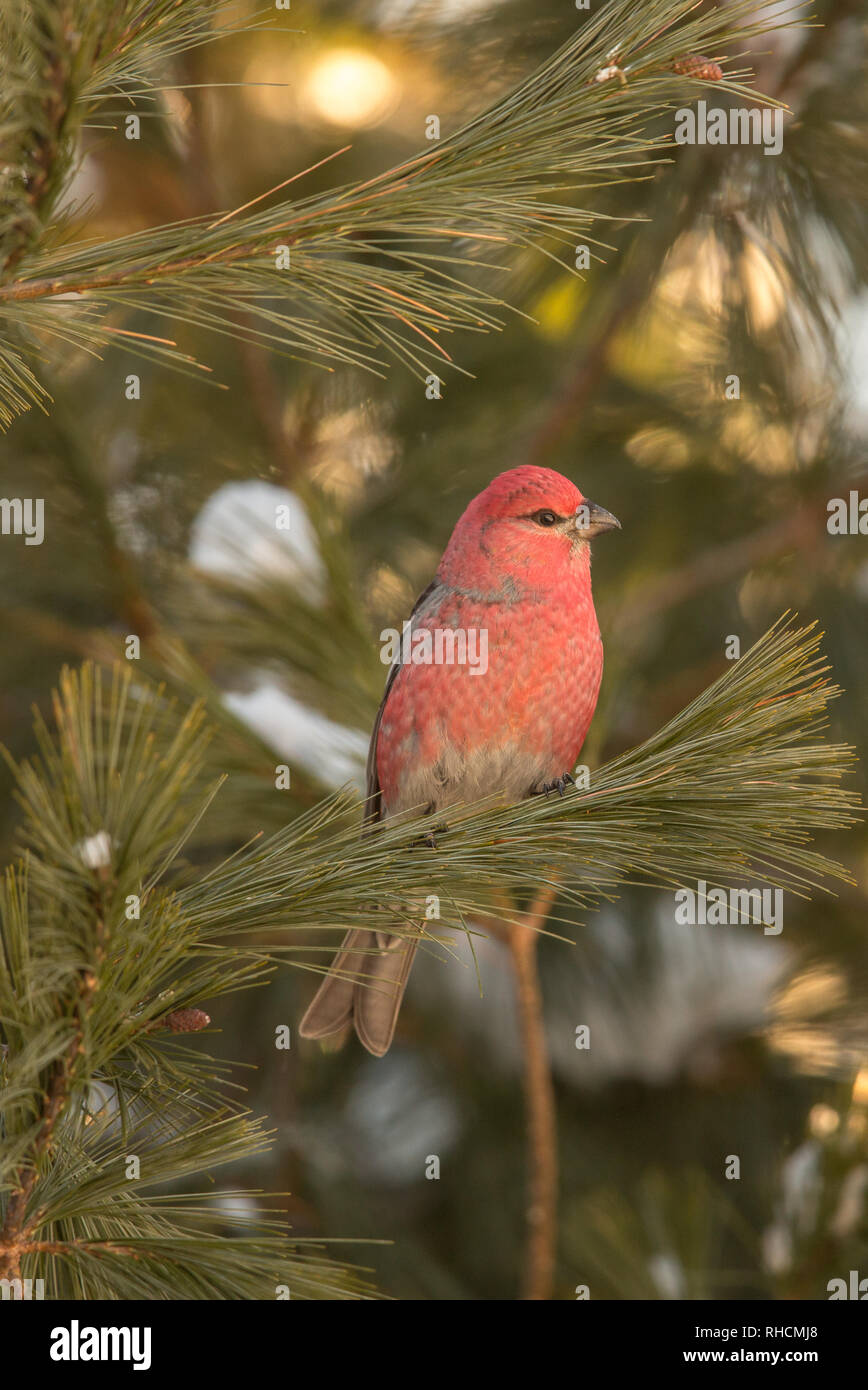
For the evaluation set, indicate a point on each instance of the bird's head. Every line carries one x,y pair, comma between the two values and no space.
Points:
529,522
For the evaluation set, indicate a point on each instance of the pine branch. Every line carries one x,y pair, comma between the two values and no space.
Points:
732,790
40,98
390,267
62,61
101,982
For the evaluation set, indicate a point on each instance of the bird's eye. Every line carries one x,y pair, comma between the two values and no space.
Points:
546,518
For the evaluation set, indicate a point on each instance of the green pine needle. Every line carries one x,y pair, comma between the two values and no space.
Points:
386,270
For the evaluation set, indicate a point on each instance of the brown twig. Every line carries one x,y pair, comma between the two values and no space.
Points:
801,528
520,934
14,1234
704,172
712,567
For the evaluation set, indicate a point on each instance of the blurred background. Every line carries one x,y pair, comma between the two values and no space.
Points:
706,1042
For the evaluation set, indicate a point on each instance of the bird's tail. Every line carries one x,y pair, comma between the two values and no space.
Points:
365,986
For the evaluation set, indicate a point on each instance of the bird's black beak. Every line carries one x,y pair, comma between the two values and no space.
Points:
592,520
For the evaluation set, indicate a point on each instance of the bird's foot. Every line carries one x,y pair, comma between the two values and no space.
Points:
559,785
429,839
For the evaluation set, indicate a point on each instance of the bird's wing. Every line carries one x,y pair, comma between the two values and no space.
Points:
373,797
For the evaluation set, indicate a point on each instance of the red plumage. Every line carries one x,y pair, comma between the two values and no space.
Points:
518,570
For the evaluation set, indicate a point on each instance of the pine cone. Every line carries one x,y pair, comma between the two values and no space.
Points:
186,1020
694,65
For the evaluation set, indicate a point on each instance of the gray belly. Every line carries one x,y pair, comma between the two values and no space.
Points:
508,771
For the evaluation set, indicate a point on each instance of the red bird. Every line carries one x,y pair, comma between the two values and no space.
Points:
512,595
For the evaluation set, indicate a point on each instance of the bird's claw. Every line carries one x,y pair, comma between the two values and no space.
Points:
558,785
429,839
